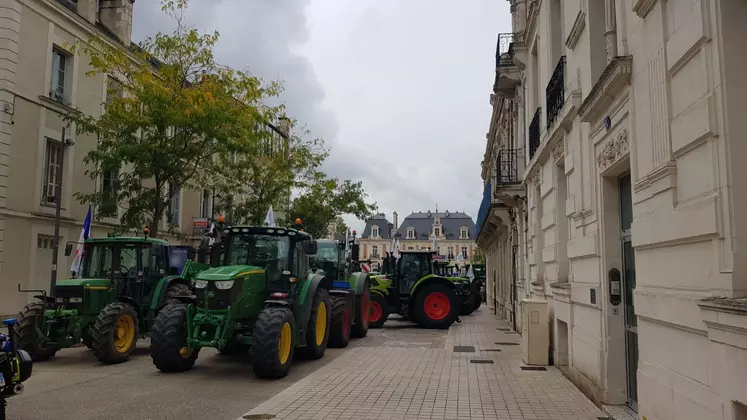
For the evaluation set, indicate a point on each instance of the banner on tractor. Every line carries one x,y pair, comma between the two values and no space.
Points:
200,224
178,256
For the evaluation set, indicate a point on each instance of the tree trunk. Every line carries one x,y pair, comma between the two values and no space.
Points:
157,210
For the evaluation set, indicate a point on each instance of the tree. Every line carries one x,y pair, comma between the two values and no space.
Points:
477,256
177,120
325,200
340,226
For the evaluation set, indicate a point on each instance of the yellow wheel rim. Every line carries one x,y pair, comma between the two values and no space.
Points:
124,333
321,323
284,343
185,352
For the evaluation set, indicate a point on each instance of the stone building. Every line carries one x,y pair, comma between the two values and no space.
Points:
376,238
613,190
40,79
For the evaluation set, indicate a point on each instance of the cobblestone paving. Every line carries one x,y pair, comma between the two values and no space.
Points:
384,379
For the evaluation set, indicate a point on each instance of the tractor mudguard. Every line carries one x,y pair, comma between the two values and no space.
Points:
379,292
277,303
136,306
430,279
159,294
306,296
360,282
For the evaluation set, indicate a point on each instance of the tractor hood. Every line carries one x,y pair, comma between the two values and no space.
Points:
230,272
95,282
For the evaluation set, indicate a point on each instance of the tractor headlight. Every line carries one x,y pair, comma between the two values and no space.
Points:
224,285
59,300
76,300
200,284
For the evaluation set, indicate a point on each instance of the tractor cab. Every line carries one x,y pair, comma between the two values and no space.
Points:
330,258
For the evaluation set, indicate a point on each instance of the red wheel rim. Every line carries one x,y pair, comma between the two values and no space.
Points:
365,310
346,321
436,306
376,311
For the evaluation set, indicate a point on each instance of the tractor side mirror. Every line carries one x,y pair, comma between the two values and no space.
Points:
310,247
68,249
355,252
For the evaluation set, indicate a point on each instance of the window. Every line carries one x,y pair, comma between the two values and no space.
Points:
410,233
464,252
409,248
206,203
175,206
375,251
113,90
59,75
464,234
44,242
109,180
437,232
438,250
375,232
451,253
52,171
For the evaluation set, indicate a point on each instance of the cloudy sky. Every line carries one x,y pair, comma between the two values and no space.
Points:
398,89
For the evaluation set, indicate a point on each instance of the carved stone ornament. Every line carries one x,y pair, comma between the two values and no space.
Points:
558,151
613,150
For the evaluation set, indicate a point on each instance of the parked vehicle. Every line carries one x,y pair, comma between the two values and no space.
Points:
15,366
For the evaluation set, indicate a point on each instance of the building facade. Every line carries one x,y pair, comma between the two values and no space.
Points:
624,212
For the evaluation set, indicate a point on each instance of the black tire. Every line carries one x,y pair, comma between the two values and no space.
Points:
266,342
476,288
313,349
427,321
176,290
30,317
362,314
341,322
104,333
467,306
88,341
384,305
168,338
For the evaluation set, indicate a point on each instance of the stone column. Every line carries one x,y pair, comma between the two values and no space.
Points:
610,32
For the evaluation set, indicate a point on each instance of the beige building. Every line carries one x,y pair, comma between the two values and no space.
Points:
40,79
614,190
452,232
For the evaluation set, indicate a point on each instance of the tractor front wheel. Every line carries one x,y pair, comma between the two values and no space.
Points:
379,311
29,328
341,323
273,342
115,333
362,315
168,347
317,332
436,306
175,291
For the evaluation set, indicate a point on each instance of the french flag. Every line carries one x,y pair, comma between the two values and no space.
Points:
84,234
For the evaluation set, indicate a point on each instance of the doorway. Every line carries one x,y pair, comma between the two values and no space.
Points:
628,285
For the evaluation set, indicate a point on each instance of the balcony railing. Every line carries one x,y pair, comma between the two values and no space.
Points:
503,47
534,133
508,167
555,92
482,214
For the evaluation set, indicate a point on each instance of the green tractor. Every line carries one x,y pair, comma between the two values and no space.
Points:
412,290
259,296
109,304
350,292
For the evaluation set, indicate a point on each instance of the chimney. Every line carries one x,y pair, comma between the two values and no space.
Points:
88,10
396,223
116,15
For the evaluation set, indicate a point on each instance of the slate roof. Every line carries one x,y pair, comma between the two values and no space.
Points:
451,223
380,220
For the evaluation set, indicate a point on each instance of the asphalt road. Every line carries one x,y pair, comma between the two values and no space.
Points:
75,386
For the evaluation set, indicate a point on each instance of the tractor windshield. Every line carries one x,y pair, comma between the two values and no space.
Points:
267,251
112,260
327,259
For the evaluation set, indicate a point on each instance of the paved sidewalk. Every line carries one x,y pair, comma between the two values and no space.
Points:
401,382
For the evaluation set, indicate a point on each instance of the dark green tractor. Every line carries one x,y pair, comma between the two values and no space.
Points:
350,293
109,304
471,291
259,296
412,290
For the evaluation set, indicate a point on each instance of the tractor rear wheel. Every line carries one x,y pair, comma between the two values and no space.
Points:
379,311
30,320
317,332
175,290
468,305
341,322
168,340
436,306
362,315
273,342
115,333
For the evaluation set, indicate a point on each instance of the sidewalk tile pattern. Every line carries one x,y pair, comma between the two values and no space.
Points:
422,383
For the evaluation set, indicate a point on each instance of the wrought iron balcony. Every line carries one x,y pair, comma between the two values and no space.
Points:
555,92
508,169
534,133
503,48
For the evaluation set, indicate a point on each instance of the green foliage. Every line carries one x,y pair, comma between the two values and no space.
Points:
175,119
326,199
478,257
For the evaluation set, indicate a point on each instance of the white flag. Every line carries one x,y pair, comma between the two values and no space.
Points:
460,257
211,238
470,273
270,218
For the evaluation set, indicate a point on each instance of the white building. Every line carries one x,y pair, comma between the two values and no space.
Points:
614,154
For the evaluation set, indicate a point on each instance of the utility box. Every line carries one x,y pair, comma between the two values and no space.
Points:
535,337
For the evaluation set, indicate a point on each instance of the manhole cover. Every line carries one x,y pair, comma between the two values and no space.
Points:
540,368
259,416
505,343
491,350
464,349
482,361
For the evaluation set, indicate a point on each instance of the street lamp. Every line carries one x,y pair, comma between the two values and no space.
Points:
58,207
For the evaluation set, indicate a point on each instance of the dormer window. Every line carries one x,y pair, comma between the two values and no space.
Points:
375,232
464,233
410,233
437,232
